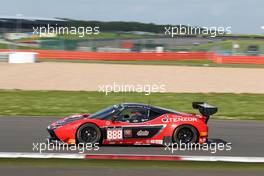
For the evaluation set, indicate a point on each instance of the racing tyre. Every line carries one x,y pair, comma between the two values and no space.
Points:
88,133
185,134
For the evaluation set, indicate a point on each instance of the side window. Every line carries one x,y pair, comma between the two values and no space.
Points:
133,115
154,114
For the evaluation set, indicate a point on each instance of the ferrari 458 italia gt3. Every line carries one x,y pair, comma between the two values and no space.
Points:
134,124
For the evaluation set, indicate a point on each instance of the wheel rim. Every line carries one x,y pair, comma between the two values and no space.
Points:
88,134
185,135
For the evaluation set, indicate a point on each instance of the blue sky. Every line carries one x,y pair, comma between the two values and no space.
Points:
244,16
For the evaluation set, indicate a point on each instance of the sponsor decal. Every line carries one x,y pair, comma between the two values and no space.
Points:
166,116
204,134
174,119
114,134
138,143
71,141
202,140
128,133
156,141
143,133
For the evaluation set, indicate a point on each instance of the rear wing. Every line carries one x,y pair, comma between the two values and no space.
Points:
205,109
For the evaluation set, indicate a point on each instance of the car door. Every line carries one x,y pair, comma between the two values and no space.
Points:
131,125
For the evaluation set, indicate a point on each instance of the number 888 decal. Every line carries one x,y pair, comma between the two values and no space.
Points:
114,133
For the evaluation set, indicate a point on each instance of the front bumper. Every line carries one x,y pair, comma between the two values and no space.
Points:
52,135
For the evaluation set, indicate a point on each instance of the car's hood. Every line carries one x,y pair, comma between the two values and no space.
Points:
69,119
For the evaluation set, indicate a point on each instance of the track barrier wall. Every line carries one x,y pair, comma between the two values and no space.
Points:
168,56
239,59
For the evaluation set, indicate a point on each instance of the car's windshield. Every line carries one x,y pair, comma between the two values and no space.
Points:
107,112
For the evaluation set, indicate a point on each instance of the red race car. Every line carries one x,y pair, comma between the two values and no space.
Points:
134,124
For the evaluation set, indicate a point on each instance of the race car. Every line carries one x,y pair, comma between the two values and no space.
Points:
134,124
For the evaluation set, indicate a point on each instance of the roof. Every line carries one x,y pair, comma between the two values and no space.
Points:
149,107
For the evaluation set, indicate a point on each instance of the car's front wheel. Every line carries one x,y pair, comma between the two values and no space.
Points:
88,133
185,134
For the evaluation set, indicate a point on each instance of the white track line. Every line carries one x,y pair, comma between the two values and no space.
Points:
83,156
224,159
41,155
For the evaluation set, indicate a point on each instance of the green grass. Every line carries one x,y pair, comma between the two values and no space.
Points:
196,63
228,44
102,35
6,46
62,103
63,163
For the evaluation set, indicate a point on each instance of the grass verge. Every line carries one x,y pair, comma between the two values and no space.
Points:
196,63
62,103
227,45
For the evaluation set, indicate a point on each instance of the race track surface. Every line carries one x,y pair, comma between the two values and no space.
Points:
25,171
17,134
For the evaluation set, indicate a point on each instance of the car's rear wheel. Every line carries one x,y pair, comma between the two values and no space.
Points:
88,133
185,134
